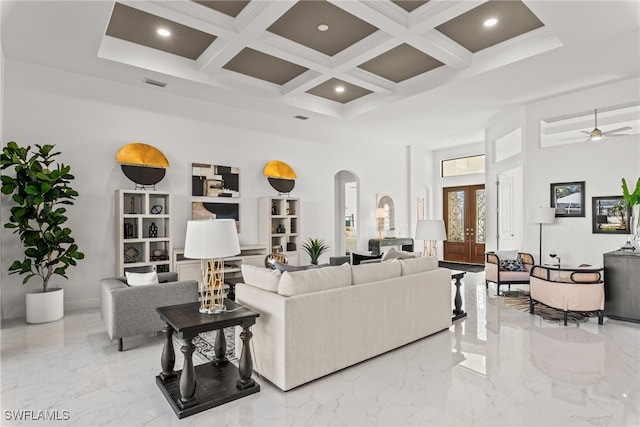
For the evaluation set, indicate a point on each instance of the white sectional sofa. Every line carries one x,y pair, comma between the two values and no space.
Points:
316,322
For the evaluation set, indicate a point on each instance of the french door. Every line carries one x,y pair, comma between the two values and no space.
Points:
465,222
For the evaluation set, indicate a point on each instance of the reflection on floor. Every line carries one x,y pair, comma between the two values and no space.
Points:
498,366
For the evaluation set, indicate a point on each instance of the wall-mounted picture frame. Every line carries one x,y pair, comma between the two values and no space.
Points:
610,215
568,198
205,210
215,180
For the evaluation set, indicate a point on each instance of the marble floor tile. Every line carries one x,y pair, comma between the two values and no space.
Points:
497,367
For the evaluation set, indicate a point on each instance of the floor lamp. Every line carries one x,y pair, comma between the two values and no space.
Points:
541,216
210,240
431,231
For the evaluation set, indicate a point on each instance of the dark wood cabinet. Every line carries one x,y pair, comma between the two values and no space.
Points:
622,285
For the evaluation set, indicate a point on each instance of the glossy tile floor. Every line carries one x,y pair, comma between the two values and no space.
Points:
499,366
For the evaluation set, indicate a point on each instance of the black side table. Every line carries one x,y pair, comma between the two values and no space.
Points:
196,389
458,312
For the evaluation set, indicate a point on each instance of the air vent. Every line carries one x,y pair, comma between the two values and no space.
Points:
154,82
299,117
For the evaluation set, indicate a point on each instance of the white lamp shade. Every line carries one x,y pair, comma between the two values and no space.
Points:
380,213
211,238
540,215
431,229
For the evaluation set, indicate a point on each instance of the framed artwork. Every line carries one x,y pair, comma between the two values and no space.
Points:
215,180
568,199
204,210
610,215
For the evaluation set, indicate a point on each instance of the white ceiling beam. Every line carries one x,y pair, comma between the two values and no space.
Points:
373,15
442,48
252,23
291,51
369,81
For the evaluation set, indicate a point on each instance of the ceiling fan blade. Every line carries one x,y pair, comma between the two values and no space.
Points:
573,139
608,135
585,132
617,130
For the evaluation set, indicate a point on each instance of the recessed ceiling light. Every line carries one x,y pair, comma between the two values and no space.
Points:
490,22
339,89
163,32
323,27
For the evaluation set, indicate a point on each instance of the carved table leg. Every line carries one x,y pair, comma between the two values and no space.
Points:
168,359
245,366
458,312
188,377
220,349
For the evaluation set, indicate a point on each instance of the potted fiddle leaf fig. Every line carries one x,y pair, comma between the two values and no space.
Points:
40,189
314,248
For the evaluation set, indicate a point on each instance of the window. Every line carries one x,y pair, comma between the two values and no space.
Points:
463,166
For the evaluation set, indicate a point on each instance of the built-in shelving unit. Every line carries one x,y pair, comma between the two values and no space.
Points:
279,225
143,237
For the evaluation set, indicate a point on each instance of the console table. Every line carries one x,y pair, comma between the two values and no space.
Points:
375,245
622,288
196,389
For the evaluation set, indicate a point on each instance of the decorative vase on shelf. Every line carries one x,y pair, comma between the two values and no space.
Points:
634,223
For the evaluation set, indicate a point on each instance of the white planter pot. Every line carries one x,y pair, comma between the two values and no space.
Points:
45,307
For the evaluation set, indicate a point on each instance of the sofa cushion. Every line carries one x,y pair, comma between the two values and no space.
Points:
141,279
393,253
263,278
357,259
366,273
511,265
418,265
314,280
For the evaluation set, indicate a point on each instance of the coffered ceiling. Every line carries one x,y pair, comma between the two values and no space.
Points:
368,70
333,57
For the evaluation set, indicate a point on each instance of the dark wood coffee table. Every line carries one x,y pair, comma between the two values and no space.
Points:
196,389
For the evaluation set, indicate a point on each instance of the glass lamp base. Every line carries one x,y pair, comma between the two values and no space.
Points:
217,308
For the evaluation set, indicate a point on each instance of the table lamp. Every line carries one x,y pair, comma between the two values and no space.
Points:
210,240
431,231
541,215
380,214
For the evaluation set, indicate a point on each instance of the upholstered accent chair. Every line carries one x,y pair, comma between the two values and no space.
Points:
568,289
496,268
131,310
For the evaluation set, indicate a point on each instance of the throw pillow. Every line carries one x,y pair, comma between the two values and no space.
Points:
262,278
393,253
513,254
511,265
286,267
358,258
141,279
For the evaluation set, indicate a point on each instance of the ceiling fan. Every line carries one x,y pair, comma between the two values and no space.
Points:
596,134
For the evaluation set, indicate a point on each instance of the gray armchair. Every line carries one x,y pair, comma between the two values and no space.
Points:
131,310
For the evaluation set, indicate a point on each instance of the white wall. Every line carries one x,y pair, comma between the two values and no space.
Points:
90,119
600,164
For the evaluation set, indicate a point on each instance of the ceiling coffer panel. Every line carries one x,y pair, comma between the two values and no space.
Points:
401,63
264,67
327,90
136,26
300,24
513,19
228,7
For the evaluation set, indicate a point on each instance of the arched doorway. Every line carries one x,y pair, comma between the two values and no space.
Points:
347,201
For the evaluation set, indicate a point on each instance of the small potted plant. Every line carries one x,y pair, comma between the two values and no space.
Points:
632,200
314,248
40,189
